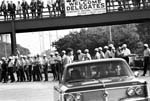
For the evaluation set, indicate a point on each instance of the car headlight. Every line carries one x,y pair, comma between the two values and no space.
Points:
131,91
139,91
73,97
69,97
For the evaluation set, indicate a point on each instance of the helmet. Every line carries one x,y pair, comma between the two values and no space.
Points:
79,51
96,49
86,50
146,45
105,47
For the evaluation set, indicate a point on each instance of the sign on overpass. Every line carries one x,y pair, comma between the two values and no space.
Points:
84,7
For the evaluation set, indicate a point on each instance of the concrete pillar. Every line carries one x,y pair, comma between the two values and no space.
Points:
13,39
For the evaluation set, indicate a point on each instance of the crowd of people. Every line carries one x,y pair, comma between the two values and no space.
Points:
36,68
9,9
23,9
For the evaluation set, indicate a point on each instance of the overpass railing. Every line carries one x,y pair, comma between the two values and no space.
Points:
111,6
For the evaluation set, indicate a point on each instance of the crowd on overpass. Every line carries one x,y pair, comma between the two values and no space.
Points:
36,68
9,10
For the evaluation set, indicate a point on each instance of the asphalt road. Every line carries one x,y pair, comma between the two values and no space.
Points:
32,91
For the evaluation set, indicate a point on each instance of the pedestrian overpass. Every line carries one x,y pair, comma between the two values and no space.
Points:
113,17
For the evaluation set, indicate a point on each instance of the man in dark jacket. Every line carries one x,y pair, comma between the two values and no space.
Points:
25,8
4,10
12,10
4,70
33,8
39,8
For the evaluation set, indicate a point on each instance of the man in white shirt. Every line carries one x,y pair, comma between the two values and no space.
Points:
146,54
125,52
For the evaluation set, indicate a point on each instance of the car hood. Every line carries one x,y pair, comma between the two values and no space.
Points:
101,83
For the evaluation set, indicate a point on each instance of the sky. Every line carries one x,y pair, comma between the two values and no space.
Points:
37,42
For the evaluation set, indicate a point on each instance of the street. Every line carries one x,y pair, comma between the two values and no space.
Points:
31,91
27,91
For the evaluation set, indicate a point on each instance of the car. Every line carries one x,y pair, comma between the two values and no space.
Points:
100,80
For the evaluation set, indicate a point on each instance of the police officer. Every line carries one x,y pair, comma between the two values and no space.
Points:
26,68
4,65
87,56
80,55
97,54
58,65
102,55
146,54
125,52
52,65
17,65
21,69
30,64
45,67
107,52
11,69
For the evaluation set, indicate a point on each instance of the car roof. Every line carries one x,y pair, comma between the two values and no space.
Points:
94,61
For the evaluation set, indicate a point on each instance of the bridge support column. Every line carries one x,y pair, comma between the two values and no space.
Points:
13,39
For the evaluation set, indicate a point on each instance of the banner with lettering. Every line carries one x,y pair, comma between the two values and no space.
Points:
84,7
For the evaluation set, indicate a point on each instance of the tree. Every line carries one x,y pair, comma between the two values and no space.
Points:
99,36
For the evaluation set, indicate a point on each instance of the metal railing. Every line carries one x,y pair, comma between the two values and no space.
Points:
111,6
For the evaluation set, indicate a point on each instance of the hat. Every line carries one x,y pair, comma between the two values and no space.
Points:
146,45
64,51
124,45
51,54
105,47
111,45
69,50
79,51
86,50
44,55
96,49
3,58
56,53
10,58
100,48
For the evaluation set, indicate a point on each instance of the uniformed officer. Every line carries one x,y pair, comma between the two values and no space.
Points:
125,52
11,69
26,68
58,65
102,55
97,54
4,65
87,56
45,67
146,54
30,62
21,69
80,55
107,52
52,65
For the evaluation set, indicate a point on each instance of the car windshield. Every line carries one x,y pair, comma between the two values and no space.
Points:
96,70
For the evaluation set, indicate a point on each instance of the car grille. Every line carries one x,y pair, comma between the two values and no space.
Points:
113,95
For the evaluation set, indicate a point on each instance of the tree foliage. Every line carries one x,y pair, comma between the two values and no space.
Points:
99,36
